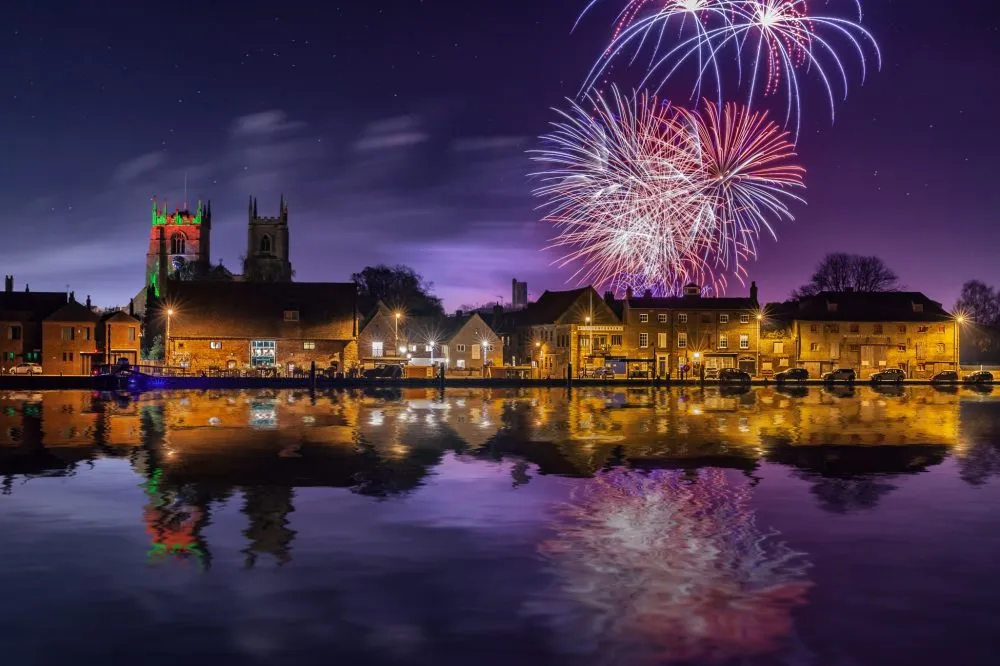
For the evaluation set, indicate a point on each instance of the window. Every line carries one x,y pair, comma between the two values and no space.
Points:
767,366
901,328
682,318
723,319
131,333
940,329
14,333
428,348
940,348
291,315
215,344
744,319
918,307
662,318
661,340
87,333
413,348
644,318
460,363
643,340
814,346
723,341
779,347
67,356
682,340
901,348
833,328
460,348
855,328
489,347
814,328
265,244
309,344
9,356
923,329
616,341
378,350
475,352
177,244
68,333
877,329
744,342
831,307
854,348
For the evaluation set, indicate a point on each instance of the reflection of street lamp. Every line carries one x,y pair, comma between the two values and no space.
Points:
166,339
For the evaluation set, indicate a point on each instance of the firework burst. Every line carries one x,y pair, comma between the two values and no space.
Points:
770,41
649,196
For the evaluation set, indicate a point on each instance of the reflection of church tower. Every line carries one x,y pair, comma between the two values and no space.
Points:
175,240
267,246
268,532
175,519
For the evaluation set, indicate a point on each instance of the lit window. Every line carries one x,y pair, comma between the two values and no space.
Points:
177,244
662,318
661,340
131,333
644,318
215,344
723,341
744,342
814,347
723,319
309,345
682,318
644,340
291,315
744,319
378,350
940,348
779,347
682,340
68,333
413,348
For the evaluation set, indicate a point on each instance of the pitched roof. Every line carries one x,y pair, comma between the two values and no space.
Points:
36,305
690,303
551,306
442,329
118,317
73,312
877,306
256,309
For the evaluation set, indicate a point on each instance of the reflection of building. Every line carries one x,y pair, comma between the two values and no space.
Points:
119,336
239,325
267,509
174,522
21,316
692,331
869,332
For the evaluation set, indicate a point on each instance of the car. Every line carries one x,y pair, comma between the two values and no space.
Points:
945,377
733,376
792,375
889,375
711,373
840,375
598,373
391,371
979,377
26,369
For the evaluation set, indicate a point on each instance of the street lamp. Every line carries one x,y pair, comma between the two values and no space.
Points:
760,318
959,320
590,343
430,343
396,326
166,339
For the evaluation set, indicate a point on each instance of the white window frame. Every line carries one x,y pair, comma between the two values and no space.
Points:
662,318
644,318
215,344
744,319
682,340
723,319
723,341
309,345
460,348
643,340
682,318
744,341
378,349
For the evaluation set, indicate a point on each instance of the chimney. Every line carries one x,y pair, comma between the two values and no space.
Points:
72,297
648,293
131,307
628,292
88,301
498,311
609,298
692,290
8,283
26,288
458,313
753,294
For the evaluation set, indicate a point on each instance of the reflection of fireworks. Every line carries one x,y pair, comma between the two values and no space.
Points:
650,196
770,39
663,569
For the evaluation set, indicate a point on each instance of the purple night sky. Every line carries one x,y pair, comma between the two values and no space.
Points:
398,133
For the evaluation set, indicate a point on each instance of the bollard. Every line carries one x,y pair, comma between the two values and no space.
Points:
312,376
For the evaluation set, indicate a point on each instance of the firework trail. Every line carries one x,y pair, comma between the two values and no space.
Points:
649,196
655,567
769,41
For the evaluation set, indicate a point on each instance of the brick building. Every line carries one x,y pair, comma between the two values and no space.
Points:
21,316
119,335
872,331
245,325
692,330
69,340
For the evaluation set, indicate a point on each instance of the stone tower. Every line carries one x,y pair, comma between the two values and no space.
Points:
178,241
267,246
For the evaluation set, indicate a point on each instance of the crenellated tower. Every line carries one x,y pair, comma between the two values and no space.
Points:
178,241
267,246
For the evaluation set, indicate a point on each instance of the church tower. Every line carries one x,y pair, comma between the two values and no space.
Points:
267,246
178,241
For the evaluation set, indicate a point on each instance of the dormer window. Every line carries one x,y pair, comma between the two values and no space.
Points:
918,307
291,315
831,307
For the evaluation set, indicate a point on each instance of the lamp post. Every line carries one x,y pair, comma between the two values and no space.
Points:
760,318
590,344
396,327
538,358
959,320
430,343
166,339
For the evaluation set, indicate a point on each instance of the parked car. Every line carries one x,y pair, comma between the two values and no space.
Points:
598,373
889,375
26,369
945,377
979,377
792,375
733,376
840,375
711,373
391,371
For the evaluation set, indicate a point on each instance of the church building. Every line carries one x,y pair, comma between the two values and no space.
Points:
267,246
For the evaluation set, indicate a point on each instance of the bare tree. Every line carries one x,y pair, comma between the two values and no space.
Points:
849,272
979,302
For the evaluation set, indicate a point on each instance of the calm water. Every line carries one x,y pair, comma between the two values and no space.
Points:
501,527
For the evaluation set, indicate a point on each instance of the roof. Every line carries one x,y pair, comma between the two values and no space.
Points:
36,305
73,312
690,303
442,329
555,305
875,306
118,317
326,310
